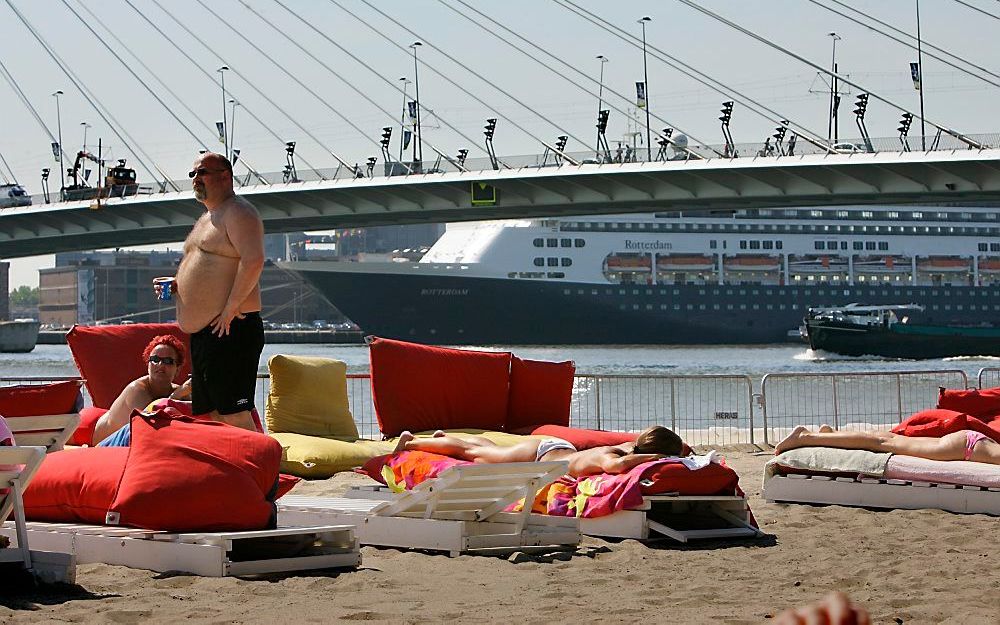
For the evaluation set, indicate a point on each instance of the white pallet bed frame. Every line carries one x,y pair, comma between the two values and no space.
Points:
870,492
460,511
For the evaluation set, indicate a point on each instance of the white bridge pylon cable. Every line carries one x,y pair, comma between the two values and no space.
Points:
472,95
137,152
961,137
716,85
364,64
982,70
27,103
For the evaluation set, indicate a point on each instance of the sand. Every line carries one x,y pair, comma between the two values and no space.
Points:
923,566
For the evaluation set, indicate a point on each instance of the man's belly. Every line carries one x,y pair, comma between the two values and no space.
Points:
203,284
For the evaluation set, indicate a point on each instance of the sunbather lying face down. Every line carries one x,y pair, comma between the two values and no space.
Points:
653,443
963,445
163,356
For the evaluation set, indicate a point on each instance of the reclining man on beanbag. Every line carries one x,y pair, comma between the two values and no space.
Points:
652,444
163,357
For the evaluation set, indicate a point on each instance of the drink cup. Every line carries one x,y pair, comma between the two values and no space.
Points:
166,287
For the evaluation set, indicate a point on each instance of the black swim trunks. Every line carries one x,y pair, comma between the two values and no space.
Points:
225,368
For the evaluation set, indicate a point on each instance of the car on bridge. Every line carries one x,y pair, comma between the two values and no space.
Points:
13,195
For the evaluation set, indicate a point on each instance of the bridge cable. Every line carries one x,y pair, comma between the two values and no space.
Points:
700,77
466,68
375,72
319,98
975,8
961,137
908,44
27,103
13,178
216,82
105,114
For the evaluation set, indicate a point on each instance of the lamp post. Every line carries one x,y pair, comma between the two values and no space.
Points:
600,96
62,168
920,70
225,133
645,82
232,130
402,118
831,126
418,148
85,127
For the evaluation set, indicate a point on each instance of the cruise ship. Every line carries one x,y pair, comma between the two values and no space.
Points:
739,277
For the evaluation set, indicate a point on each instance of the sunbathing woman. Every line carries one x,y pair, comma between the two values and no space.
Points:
652,444
163,356
962,445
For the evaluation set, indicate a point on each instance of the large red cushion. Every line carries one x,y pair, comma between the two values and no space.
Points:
75,485
39,399
84,434
978,403
540,393
585,439
109,357
938,422
673,477
188,475
418,387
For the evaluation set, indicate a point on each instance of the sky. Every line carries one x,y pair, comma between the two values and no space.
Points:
326,74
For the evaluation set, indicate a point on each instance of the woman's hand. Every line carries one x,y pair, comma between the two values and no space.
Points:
183,391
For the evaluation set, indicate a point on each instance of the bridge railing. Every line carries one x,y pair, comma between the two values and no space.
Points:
618,155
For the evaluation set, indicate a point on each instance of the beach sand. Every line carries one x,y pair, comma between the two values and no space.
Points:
922,566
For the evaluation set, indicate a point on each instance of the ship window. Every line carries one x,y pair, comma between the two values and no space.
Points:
724,245
843,245
539,262
768,245
869,245
818,245
858,245
755,245
983,247
995,247
593,291
790,213
842,214
831,245
552,242
743,245
579,242
565,242
566,262
713,244
778,245
883,245
512,274
552,261
663,306
892,215
942,215
539,242
556,274
867,214
815,213
918,215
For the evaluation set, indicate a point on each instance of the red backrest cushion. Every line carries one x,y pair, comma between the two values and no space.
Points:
978,403
75,485
84,434
673,477
188,475
540,393
585,439
109,357
39,399
419,387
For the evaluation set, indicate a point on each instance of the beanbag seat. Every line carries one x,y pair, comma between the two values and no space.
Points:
540,393
309,396
982,403
316,457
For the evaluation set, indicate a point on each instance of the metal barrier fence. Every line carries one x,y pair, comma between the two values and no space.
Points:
708,410
988,377
862,401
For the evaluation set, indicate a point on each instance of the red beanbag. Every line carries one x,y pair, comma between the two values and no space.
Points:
109,357
938,422
75,485
186,475
84,434
418,387
673,477
29,400
540,393
978,403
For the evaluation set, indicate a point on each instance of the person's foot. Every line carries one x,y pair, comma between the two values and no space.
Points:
404,438
825,429
438,433
791,441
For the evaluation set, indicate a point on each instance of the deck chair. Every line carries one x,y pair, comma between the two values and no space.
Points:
48,431
17,466
460,511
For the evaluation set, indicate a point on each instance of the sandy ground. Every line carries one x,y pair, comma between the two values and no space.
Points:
923,566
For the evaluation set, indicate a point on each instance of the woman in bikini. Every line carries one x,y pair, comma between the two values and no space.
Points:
652,444
962,445
163,356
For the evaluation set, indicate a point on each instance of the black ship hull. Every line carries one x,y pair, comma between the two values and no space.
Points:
903,341
464,310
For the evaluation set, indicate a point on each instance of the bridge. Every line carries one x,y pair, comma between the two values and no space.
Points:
959,175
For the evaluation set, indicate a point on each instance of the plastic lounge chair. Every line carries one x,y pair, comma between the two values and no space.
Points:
462,510
48,431
18,465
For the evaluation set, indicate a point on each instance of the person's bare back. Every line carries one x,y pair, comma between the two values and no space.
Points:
208,272
611,459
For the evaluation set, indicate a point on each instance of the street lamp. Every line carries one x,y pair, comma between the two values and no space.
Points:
645,82
402,118
85,127
59,154
600,96
920,75
232,130
418,148
831,126
225,135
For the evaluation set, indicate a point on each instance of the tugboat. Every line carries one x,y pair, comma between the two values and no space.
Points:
857,330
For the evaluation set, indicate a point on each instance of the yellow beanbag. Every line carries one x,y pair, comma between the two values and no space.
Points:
314,457
309,396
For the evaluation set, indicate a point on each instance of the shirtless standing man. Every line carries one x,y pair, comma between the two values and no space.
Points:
218,295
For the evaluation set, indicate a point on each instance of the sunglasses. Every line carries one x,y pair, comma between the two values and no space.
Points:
201,171
167,360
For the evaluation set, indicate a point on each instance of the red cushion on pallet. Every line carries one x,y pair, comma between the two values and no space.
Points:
975,402
938,422
189,475
84,434
585,439
672,477
75,485
29,400
540,393
109,357
419,387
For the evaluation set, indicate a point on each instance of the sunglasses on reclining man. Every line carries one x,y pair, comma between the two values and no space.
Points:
167,360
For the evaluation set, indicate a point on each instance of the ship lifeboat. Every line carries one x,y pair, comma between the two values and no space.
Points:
640,262
944,264
989,265
817,263
882,264
752,262
679,262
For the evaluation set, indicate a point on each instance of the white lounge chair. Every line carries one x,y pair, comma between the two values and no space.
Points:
48,431
462,510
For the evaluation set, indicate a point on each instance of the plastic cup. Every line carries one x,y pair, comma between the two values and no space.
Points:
166,286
